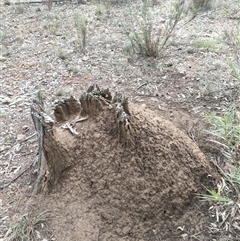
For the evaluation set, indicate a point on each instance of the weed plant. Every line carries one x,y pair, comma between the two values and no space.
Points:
146,37
225,133
202,4
62,54
81,28
214,196
20,8
207,45
52,25
100,10
234,39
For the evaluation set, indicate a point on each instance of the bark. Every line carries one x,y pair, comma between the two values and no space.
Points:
52,158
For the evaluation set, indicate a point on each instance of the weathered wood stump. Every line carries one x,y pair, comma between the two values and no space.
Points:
128,155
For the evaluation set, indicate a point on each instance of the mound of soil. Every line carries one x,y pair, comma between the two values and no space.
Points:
131,165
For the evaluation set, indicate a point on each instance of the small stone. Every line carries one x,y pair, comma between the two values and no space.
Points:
126,230
7,2
3,66
6,101
169,64
85,58
3,148
182,73
20,137
191,50
66,74
2,59
18,109
25,128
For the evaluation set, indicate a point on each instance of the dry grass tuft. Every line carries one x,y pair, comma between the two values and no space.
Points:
24,227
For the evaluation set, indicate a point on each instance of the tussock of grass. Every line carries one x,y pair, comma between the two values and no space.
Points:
81,28
202,4
24,227
225,134
214,196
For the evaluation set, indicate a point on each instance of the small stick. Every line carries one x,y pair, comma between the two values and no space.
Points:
81,119
7,2
142,85
26,139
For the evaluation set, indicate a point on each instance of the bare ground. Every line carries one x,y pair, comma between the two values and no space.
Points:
188,80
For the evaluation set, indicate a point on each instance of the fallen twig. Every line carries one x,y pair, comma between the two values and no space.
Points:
26,139
7,2
81,119
141,85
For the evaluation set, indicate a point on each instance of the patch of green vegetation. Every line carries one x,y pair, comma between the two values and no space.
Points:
202,4
100,10
214,196
147,38
235,41
20,8
225,134
74,69
63,91
59,94
52,25
103,9
80,23
207,45
62,54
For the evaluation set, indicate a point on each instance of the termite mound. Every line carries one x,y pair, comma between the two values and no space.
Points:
125,155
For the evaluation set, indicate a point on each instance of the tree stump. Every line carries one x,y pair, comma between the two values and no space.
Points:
125,154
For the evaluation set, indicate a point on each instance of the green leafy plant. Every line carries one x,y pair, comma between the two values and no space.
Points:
74,69
100,11
226,132
24,227
145,37
52,25
63,91
81,27
202,4
207,45
233,176
214,196
227,208
61,54
20,8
